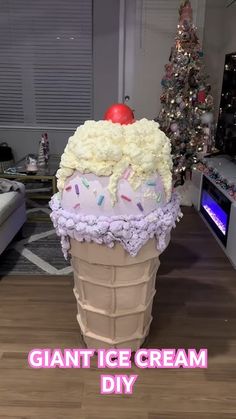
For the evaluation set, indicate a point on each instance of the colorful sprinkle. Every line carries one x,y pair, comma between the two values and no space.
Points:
100,199
77,206
68,188
126,198
77,189
139,205
95,191
158,199
126,173
151,183
85,182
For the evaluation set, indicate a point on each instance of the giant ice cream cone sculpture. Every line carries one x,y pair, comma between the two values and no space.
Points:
114,212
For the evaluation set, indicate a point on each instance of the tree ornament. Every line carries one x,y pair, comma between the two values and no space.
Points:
192,78
186,25
209,101
169,70
179,99
207,118
185,36
174,127
201,96
163,98
182,105
206,131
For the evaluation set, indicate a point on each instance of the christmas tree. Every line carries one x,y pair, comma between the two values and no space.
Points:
186,103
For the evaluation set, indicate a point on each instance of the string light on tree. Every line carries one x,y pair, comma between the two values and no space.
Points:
186,114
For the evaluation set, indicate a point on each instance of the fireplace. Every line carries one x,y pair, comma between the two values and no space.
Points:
215,208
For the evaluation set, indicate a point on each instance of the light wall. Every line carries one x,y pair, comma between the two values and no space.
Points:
214,45
151,29
106,51
229,28
26,141
219,39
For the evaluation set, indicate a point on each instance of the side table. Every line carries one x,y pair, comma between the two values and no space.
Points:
44,174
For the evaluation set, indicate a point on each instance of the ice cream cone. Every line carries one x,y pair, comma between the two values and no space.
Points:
114,212
114,293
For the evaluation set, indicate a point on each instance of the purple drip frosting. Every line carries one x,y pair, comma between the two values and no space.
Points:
131,232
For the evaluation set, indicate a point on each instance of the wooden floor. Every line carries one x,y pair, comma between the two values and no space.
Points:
195,307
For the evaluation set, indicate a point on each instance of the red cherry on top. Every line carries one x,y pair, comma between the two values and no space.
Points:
120,113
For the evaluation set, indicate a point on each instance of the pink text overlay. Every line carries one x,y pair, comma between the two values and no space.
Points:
115,359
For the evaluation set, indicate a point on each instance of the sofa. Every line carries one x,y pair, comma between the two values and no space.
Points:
12,214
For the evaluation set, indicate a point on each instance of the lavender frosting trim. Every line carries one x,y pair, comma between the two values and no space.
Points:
132,232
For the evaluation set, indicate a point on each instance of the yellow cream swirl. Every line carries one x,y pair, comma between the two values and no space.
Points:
107,149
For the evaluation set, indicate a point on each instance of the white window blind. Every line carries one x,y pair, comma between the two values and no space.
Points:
45,62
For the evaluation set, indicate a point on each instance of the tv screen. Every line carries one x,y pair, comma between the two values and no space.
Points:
226,126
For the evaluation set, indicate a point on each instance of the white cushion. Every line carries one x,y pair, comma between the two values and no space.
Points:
9,202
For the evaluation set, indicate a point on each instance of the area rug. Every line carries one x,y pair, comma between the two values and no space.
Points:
37,252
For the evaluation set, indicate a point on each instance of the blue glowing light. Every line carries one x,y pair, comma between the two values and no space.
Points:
217,214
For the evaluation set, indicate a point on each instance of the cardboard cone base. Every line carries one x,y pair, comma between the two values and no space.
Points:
114,293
